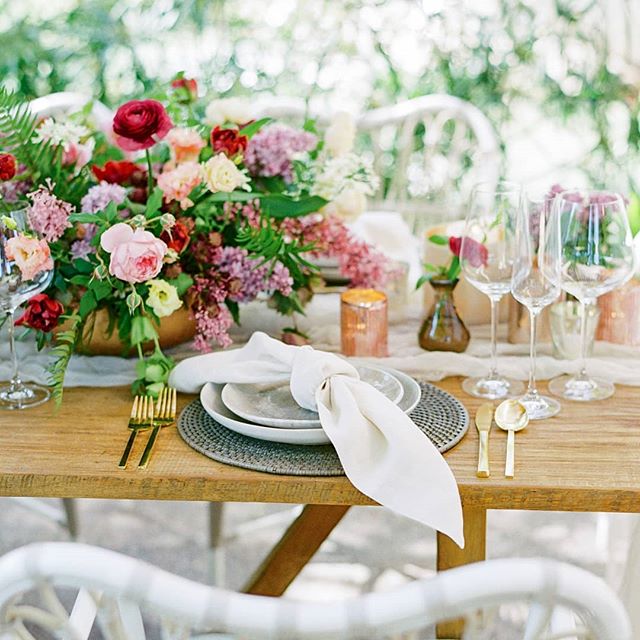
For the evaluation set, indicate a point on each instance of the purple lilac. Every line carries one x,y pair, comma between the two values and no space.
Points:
14,190
251,278
99,197
271,151
81,249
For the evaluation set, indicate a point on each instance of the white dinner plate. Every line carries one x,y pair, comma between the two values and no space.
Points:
274,406
211,400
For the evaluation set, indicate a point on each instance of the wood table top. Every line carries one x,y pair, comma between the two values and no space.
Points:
585,459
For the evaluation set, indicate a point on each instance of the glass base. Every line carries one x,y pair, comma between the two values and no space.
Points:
22,396
492,388
539,407
581,389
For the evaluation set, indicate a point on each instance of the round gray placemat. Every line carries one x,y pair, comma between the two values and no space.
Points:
441,417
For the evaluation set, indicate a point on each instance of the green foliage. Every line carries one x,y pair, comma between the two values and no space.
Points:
266,243
61,352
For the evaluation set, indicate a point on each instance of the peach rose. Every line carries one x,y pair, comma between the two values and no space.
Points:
185,145
136,256
178,183
30,254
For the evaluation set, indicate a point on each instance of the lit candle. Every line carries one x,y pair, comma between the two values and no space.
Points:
363,323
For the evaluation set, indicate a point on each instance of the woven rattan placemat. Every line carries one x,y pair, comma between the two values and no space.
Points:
441,417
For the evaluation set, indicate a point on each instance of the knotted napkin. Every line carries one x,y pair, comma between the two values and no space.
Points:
383,452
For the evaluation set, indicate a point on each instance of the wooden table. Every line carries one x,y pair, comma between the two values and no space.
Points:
584,459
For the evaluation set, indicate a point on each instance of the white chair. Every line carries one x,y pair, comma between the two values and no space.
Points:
64,102
115,589
431,150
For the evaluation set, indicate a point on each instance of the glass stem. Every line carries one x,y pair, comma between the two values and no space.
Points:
584,346
493,374
533,321
15,378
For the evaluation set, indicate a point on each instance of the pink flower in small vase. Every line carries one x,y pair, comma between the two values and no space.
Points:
136,256
30,254
475,252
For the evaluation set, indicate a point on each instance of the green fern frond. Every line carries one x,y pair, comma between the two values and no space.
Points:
42,159
17,123
62,352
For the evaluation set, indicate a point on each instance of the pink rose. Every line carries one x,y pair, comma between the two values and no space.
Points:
30,254
136,256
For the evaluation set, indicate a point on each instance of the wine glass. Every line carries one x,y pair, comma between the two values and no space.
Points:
486,256
531,288
26,269
589,252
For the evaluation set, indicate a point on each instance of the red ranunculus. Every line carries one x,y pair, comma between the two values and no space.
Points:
475,252
7,166
176,238
189,85
42,313
116,172
228,141
139,124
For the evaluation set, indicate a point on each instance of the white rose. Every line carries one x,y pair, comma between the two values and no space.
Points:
348,205
340,134
220,174
163,298
236,110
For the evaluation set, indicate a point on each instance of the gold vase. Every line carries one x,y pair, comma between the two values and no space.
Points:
175,329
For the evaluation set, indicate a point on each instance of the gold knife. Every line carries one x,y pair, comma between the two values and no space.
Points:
484,418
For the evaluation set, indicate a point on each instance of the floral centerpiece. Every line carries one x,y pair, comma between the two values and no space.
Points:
179,205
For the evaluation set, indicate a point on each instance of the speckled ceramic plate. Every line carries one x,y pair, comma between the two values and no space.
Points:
211,400
274,406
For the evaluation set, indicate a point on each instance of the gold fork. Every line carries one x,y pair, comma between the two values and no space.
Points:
141,418
165,416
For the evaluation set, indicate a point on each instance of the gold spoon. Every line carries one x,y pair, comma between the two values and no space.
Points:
511,416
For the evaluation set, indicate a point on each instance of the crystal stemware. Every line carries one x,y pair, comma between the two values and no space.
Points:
26,268
531,288
589,252
486,257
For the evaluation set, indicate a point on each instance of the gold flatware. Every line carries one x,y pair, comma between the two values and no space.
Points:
511,416
484,418
165,416
141,418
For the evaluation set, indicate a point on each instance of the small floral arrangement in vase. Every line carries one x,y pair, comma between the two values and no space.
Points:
179,207
443,329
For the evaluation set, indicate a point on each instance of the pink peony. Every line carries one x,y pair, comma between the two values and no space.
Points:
136,256
30,254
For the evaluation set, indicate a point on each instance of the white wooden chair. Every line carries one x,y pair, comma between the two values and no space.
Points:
115,590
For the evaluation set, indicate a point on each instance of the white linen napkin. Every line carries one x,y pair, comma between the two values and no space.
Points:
383,452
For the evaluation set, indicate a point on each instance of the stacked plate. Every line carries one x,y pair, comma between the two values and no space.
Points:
269,412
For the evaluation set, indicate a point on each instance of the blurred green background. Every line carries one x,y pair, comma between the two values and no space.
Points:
556,78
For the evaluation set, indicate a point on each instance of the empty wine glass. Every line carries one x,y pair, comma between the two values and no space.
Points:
531,288
26,268
589,252
486,256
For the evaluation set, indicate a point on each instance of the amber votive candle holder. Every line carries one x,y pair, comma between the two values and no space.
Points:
364,323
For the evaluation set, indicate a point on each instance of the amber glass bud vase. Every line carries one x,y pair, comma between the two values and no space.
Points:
443,330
